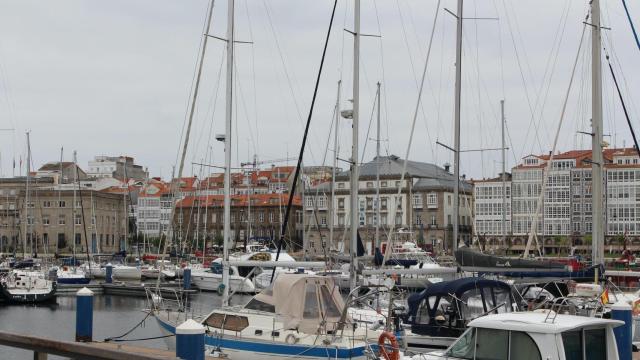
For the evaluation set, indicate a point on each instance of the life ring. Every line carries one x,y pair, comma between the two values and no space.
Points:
220,289
382,347
291,339
636,308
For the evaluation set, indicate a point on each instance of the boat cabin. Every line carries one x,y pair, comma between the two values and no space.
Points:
303,302
444,309
534,336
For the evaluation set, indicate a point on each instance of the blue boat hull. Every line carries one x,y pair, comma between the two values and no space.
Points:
241,349
73,281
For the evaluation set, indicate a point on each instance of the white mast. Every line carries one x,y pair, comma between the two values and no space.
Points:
26,204
336,152
596,144
504,179
73,206
354,148
377,235
456,144
227,154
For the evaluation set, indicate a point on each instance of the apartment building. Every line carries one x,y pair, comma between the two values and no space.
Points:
50,219
423,206
567,202
257,217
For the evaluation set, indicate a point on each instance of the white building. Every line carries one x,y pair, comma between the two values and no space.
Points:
488,200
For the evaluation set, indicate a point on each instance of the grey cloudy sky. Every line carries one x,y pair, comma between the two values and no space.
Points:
114,77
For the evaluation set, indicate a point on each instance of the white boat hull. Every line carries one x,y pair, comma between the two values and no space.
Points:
211,282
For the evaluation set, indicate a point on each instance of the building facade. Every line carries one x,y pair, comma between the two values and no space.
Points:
421,204
119,167
566,218
51,221
256,217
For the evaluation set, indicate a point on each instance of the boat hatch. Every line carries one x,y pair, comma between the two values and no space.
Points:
227,322
495,344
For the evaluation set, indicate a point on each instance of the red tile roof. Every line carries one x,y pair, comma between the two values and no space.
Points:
239,200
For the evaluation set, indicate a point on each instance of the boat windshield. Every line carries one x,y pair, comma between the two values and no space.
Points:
496,344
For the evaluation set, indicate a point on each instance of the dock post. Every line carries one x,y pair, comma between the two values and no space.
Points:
84,315
622,311
109,273
190,341
186,278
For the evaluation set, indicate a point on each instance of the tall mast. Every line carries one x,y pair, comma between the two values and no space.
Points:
456,144
504,179
26,197
354,148
336,152
377,235
126,208
73,206
227,154
596,144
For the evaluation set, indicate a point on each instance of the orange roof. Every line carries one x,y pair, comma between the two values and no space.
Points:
239,200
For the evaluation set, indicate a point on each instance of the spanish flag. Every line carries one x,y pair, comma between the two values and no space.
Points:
604,297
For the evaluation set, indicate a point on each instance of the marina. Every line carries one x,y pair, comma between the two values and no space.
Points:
221,249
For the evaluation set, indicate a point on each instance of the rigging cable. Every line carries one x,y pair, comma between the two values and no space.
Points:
545,177
624,107
635,34
304,141
413,127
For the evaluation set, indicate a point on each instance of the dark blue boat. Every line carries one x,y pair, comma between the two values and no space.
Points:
440,313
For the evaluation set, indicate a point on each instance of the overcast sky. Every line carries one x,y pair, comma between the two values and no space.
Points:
115,78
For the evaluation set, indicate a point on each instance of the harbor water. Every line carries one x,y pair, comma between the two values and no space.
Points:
113,316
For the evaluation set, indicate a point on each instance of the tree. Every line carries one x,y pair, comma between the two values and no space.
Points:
218,240
562,242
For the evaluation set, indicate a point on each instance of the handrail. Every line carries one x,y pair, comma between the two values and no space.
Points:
70,349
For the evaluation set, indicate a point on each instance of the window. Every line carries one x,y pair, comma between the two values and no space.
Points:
46,204
369,184
397,184
61,220
383,184
341,203
341,219
398,219
62,203
492,344
416,200
45,220
433,220
340,185
78,219
270,217
383,203
572,341
432,200
464,347
523,347
78,204
330,308
418,219
311,309
78,239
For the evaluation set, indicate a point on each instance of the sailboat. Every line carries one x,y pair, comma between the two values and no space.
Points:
27,285
300,316
473,260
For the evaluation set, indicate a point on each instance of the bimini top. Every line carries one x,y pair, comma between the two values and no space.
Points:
535,322
304,301
456,287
